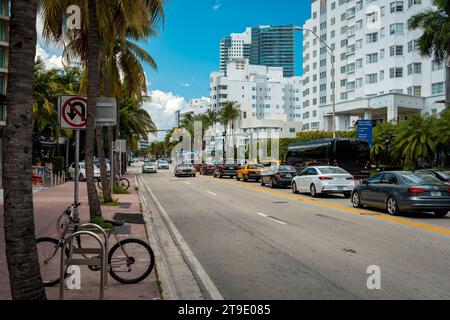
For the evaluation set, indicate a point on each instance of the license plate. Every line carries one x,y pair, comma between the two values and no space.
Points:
288,176
340,188
436,194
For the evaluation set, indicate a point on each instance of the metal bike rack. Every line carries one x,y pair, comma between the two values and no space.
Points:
105,236
80,262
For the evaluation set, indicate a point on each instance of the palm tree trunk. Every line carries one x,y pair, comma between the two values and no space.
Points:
92,93
101,148
21,254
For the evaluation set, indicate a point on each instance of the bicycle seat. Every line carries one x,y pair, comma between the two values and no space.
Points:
115,223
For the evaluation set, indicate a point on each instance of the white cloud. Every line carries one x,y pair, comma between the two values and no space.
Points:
186,85
217,5
162,108
50,61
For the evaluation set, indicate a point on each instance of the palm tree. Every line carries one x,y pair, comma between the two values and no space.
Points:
383,138
229,112
93,46
118,20
135,122
21,254
415,139
435,40
442,130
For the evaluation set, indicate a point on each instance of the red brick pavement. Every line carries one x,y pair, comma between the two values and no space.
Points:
48,205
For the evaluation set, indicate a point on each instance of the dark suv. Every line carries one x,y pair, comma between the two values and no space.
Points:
226,170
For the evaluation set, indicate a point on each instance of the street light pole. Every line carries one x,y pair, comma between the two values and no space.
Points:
333,74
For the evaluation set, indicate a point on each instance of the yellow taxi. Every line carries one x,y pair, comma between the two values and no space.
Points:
250,171
271,163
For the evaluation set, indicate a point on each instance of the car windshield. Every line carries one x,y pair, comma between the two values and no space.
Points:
148,163
162,162
286,169
445,174
414,179
256,167
332,170
185,165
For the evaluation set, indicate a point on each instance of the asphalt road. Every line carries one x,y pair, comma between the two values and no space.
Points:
259,243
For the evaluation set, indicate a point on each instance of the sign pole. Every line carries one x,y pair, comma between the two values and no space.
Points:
111,167
77,173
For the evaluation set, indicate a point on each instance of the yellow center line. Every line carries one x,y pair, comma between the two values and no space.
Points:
406,222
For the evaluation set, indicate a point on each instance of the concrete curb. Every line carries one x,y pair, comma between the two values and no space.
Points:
205,283
167,286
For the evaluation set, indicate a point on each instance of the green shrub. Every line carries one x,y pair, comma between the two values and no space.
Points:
119,190
101,222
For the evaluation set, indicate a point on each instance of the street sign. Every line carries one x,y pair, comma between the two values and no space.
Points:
72,112
121,146
106,112
365,130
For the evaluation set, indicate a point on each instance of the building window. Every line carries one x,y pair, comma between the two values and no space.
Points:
396,50
413,2
344,95
437,88
414,68
371,78
396,28
396,6
437,65
396,72
381,75
372,58
372,37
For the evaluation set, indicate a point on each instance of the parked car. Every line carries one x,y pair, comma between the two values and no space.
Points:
163,165
197,166
149,167
207,169
82,171
250,172
278,176
270,163
324,180
440,175
225,170
402,191
185,169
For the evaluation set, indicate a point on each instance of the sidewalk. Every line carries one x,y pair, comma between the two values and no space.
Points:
49,204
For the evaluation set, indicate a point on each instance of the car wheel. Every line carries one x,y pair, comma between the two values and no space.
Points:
440,213
356,200
294,187
313,191
81,178
262,183
272,184
392,207
245,178
237,178
347,195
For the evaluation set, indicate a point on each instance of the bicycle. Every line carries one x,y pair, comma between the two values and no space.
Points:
125,257
124,183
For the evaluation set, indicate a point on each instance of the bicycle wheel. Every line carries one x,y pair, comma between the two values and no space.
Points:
99,184
49,253
124,183
130,261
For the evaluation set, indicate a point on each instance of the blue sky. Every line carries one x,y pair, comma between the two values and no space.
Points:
187,47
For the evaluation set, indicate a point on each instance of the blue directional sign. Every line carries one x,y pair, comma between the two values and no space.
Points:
365,130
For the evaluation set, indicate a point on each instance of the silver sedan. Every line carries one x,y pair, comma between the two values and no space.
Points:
185,169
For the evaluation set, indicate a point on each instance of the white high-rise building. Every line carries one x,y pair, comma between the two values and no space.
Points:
379,73
268,101
236,46
195,107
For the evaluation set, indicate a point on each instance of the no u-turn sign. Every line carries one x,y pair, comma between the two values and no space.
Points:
72,112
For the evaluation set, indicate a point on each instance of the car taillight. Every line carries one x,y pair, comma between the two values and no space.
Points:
222,167
416,191
278,176
325,178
